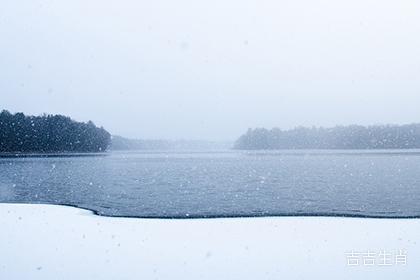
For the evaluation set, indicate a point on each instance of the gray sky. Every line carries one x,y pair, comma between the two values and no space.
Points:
211,69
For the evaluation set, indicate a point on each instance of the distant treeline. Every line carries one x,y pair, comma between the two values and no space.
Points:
339,137
121,143
49,133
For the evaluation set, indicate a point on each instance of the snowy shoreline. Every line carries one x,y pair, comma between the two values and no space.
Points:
49,242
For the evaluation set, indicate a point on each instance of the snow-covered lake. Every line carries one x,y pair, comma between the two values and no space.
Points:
59,242
218,184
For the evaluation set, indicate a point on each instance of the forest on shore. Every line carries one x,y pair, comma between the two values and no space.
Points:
49,133
20,133
339,137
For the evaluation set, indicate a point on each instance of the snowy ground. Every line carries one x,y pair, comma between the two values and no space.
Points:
58,242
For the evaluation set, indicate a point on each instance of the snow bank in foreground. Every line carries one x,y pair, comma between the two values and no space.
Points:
57,242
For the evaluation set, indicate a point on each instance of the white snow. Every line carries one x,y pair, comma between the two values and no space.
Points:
58,242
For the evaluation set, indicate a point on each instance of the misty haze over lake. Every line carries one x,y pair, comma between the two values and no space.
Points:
211,70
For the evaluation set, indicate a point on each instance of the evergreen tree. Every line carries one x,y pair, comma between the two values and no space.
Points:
339,137
49,133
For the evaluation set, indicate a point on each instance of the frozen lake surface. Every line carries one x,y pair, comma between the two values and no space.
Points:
221,184
57,242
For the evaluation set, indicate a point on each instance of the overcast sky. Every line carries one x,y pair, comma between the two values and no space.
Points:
211,69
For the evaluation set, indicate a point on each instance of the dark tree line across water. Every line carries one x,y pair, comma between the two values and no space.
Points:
339,137
48,134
